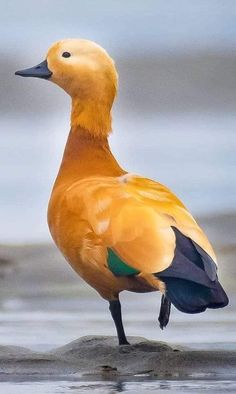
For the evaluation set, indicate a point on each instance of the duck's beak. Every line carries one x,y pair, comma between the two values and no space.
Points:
39,71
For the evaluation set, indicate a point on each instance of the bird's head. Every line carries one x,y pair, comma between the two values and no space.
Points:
87,73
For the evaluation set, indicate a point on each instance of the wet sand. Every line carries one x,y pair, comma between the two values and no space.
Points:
100,357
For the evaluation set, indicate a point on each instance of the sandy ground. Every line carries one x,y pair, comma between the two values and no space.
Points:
33,271
100,357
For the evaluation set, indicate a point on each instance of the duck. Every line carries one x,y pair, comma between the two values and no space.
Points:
118,230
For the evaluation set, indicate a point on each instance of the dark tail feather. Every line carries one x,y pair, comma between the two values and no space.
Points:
191,280
164,314
191,297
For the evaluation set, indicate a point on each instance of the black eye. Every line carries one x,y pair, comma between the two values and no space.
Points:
66,54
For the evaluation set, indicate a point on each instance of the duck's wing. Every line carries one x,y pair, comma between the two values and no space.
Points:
139,220
142,229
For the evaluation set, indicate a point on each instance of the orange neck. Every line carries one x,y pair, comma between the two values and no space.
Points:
86,155
92,115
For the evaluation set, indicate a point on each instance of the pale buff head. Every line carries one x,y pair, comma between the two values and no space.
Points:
87,73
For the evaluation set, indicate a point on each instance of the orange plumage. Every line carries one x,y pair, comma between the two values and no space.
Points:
119,230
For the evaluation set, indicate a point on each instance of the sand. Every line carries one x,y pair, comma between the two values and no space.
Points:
100,357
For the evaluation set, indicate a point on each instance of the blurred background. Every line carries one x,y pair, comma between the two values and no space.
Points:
174,121
174,118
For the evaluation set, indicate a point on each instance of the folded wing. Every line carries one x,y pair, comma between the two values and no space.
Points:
134,217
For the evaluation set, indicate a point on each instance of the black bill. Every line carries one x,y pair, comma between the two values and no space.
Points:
39,71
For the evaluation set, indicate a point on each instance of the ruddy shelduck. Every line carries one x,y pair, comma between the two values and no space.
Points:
119,231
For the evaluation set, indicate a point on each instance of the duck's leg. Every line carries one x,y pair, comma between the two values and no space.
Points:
115,309
164,314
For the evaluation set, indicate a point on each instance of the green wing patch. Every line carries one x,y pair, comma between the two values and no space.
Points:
118,267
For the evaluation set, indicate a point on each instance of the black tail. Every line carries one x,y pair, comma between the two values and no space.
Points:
191,280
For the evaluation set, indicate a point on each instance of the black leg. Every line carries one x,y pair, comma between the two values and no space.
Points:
115,309
164,314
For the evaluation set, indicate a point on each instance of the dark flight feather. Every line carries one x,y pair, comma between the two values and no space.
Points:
191,280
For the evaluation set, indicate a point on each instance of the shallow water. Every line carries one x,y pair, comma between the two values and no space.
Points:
110,387
42,323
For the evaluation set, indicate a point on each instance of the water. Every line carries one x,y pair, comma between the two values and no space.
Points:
131,387
43,323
